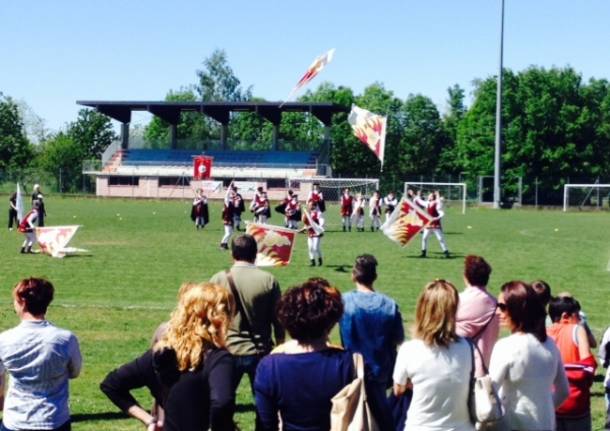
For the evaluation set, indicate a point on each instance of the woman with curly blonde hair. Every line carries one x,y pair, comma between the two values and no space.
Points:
436,363
192,361
188,371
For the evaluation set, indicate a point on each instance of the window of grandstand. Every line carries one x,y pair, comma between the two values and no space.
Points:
123,181
174,181
276,183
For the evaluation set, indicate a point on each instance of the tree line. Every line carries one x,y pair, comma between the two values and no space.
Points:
556,127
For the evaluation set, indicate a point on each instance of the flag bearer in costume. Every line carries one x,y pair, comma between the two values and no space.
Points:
347,207
433,206
316,197
314,235
281,208
37,196
390,202
260,206
27,226
199,212
358,212
238,208
375,211
227,217
292,212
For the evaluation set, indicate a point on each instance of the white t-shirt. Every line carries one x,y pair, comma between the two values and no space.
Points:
440,377
525,372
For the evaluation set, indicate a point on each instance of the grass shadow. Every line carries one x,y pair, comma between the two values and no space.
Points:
340,268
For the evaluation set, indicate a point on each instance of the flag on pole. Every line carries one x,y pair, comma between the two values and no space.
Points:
53,240
406,221
202,168
370,129
316,67
275,244
312,224
19,204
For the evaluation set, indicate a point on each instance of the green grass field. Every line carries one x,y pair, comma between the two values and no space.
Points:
141,251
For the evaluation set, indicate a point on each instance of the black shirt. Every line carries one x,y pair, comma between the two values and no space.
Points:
200,399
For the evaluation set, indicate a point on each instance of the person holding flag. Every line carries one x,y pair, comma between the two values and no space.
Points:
12,211
347,207
28,226
434,207
314,225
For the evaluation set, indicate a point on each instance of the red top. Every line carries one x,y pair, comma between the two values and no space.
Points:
580,372
28,220
315,217
346,205
291,207
433,212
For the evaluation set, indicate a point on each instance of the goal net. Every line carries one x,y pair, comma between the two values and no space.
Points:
586,196
452,193
332,188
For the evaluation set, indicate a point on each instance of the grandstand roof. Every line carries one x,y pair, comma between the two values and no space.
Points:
170,111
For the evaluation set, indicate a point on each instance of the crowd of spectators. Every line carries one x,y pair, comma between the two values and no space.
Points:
236,324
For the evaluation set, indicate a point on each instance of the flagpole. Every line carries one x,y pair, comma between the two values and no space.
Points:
498,142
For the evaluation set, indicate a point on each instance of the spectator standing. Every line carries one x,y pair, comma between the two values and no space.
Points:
436,363
257,293
371,325
476,315
192,362
12,211
526,366
298,382
40,359
578,360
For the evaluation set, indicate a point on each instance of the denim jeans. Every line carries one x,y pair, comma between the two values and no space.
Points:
246,364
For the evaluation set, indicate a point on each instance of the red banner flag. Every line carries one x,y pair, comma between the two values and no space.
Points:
202,168
275,244
312,71
405,223
53,240
370,129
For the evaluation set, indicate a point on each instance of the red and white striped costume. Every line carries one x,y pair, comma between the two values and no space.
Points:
27,227
291,211
434,208
314,238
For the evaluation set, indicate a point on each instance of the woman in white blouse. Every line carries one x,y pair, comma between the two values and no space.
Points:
436,363
526,366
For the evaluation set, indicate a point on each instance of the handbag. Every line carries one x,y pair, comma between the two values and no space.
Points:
350,408
484,405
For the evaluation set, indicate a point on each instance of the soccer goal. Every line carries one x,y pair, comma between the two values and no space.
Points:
451,192
586,196
332,188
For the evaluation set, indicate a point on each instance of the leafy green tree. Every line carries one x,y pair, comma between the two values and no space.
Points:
447,162
218,82
15,149
92,132
61,157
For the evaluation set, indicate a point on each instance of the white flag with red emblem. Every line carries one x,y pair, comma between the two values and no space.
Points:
316,67
275,244
370,129
53,240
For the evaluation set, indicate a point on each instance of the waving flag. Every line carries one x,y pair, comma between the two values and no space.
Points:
274,243
405,222
19,204
54,239
313,70
312,224
370,129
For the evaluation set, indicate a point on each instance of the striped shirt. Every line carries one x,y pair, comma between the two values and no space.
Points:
40,359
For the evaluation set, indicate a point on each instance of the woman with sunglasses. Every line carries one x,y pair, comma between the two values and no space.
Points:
526,366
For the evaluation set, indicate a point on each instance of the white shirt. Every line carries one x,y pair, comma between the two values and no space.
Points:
40,359
440,377
525,371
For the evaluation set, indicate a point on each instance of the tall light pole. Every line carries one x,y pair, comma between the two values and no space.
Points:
498,146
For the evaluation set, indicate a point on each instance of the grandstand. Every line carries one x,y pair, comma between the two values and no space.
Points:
168,173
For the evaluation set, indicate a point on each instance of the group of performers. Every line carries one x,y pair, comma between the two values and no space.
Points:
353,209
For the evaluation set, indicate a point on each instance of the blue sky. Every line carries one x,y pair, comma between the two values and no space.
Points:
56,52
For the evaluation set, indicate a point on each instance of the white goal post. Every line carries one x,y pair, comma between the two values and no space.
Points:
587,195
333,187
431,186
